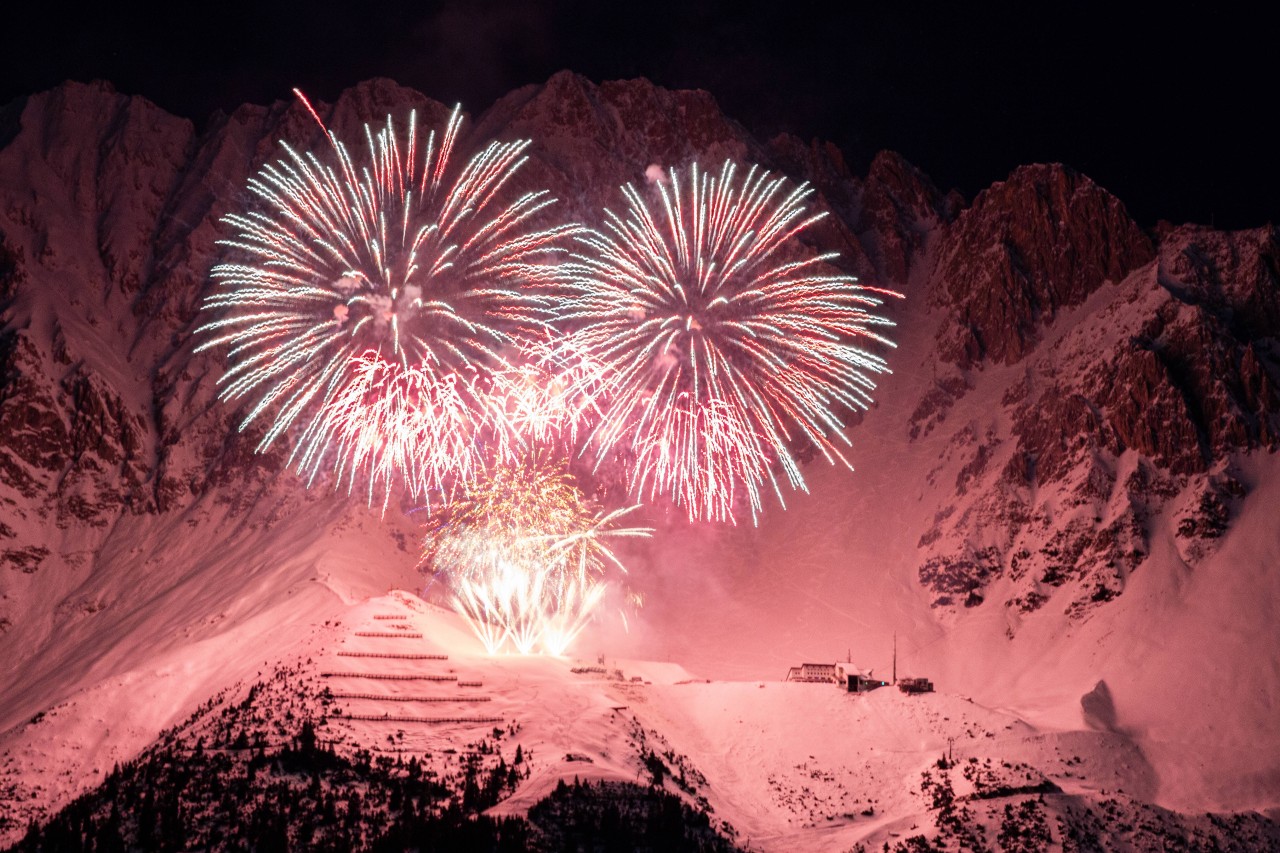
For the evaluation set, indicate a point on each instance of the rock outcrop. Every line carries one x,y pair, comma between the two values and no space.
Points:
1038,242
1141,406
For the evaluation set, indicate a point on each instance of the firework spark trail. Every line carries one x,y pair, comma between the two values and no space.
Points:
540,396
721,349
395,253
700,454
526,555
413,426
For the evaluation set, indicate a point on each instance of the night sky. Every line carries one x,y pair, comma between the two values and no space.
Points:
1165,109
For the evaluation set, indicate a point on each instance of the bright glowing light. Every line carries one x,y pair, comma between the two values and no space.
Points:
533,394
370,294
390,424
526,555
724,349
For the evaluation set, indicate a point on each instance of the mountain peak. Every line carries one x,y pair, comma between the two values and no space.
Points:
1039,241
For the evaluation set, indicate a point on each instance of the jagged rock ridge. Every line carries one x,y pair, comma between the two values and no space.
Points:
110,226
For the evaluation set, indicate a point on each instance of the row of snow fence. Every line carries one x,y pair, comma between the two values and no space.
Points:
387,718
397,634
388,616
384,698
385,676
397,655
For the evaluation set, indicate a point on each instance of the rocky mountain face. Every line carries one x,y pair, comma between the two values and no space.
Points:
1134,369
110,222
110,219
1030,246
1166,373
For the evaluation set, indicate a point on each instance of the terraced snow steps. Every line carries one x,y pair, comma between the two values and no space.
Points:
385,676
395,655
397,635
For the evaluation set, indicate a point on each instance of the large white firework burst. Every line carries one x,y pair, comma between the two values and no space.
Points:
723,346
357,282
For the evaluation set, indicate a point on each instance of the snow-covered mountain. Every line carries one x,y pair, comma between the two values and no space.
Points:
1063,503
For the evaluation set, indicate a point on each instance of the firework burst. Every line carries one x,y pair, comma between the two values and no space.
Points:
372,293
535,395
525,554
722,346
391,424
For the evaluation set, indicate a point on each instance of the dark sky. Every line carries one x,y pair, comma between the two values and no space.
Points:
1166,109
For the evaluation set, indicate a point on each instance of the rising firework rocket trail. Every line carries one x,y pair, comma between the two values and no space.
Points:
372,294
725,349
526,555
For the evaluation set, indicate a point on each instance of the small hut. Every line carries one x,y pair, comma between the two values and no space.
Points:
857,680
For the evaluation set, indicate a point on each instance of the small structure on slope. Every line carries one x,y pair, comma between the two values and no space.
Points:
915,685
845,674
857,680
